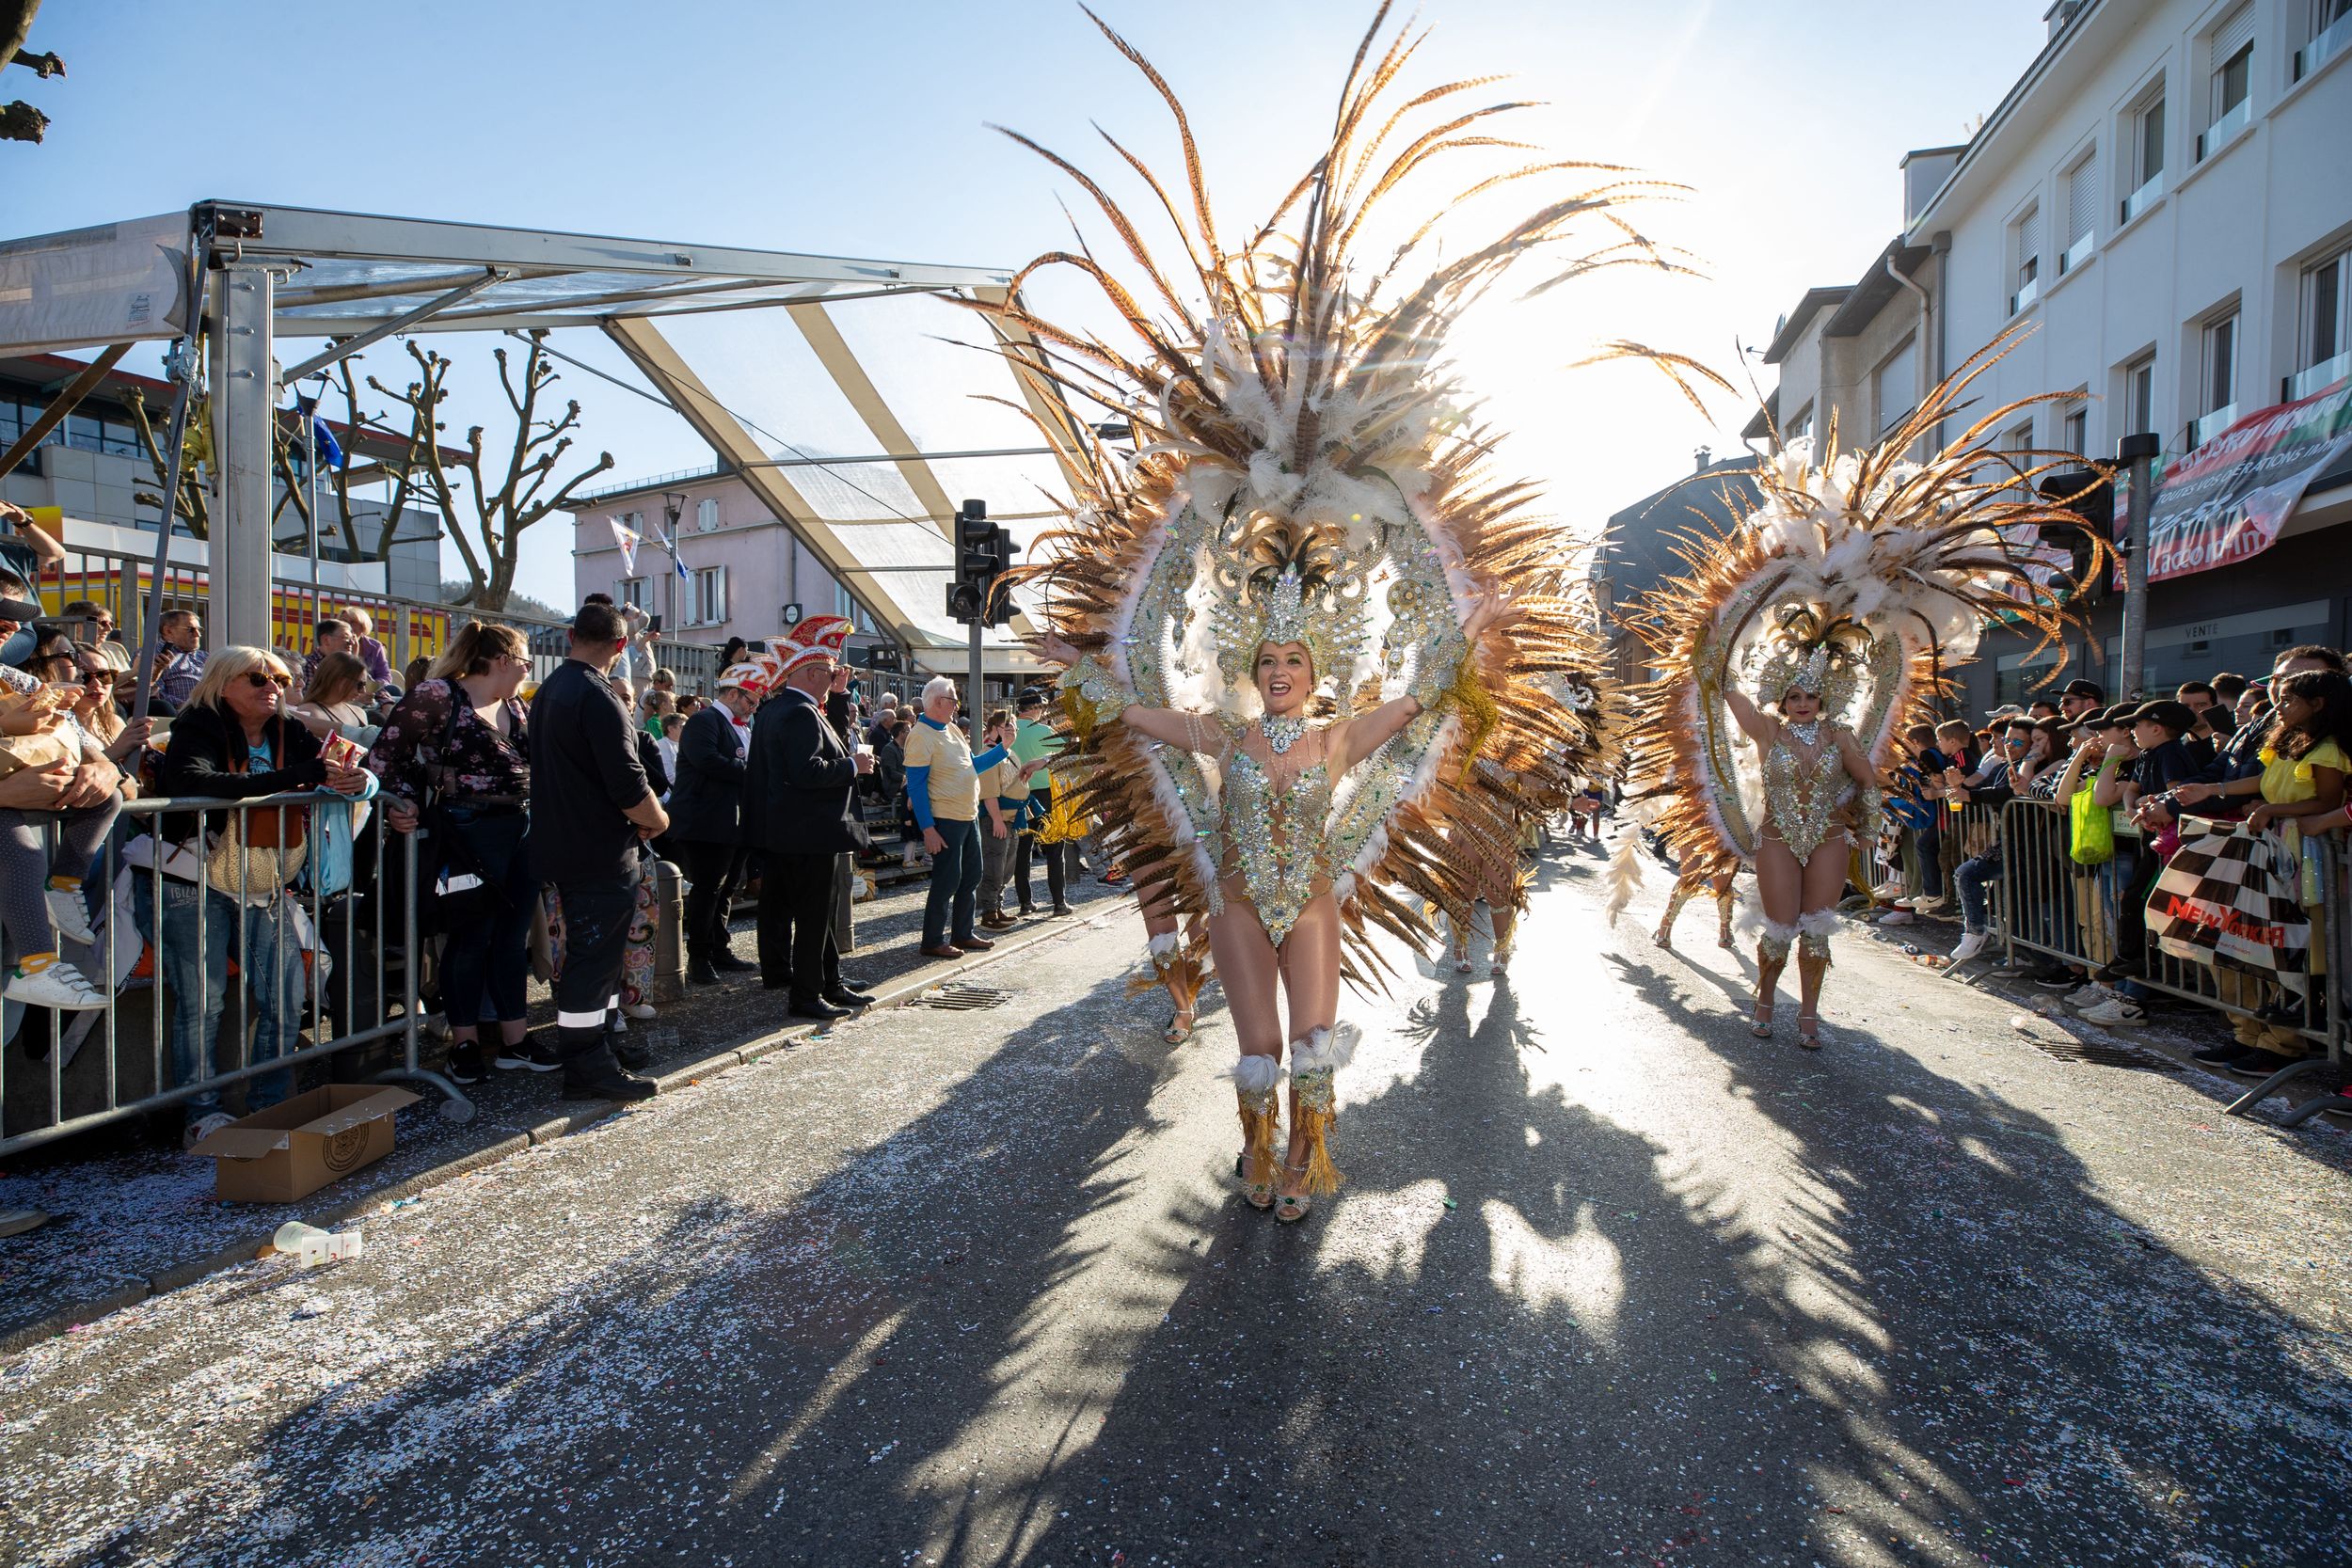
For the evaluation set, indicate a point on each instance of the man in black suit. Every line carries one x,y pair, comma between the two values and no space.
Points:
797,794
706,820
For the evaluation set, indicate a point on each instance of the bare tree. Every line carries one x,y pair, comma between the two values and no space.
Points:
20,120
505,500
401,474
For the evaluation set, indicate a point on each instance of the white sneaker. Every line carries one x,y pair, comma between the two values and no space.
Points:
71,915
640,1010
1926,904
2114,1012
1897,917
1971,945
204,1126
59,986
1888,891
2089,996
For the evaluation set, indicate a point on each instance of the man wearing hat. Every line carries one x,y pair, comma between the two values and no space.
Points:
2080,699
706,818
801,779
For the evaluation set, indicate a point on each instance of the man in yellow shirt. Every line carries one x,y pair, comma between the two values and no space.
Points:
944,790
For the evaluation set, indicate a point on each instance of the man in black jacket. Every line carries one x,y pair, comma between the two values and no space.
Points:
706,820
590,805
798,791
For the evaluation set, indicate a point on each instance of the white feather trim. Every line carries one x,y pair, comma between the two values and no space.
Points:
1817,922
1332,1047
1256,1074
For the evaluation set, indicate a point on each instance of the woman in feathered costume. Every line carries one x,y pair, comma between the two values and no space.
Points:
1816,631
1284,617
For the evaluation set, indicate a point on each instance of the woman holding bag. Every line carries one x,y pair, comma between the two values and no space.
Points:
458,749
226,872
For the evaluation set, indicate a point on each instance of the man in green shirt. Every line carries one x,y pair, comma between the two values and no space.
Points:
1034,738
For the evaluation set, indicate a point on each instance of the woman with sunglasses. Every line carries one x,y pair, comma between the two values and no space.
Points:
233,740
40,897
67,664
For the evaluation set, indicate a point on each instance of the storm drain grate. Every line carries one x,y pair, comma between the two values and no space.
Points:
958,998
2099,1054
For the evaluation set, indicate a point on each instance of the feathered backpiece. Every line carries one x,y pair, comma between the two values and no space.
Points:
1303,463
1860,578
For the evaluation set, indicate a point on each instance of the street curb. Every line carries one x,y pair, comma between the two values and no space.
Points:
183,1274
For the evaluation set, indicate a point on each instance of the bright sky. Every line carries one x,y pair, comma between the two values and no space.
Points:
859,131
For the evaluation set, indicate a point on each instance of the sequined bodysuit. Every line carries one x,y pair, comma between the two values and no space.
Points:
1802,796
1277,840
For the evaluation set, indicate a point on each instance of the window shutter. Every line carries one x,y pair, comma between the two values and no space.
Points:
2234,33
1897,387
2082,198
718,586
2029,235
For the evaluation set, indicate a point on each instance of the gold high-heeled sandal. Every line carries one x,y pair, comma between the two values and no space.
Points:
1180,1028
1260,1194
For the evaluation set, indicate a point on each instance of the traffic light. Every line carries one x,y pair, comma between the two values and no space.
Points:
984,554
2090,494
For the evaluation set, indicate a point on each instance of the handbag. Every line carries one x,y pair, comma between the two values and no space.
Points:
464,893
2093,842
261,848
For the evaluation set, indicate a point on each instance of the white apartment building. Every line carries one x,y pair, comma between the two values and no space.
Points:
2163,205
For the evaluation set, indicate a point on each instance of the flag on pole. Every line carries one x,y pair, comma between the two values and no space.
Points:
628,541
670,545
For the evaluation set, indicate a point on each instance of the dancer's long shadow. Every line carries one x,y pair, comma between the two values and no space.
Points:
1919,1326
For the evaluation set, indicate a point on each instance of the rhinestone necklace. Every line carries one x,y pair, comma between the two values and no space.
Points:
1809,732
1281,734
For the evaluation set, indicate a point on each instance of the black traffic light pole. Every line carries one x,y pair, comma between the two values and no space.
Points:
2137,453
983,555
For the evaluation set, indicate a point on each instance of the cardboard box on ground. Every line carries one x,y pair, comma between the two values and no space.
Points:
298,1145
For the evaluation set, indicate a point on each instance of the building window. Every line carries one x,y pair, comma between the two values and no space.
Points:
710,596
2082,211
2326,32
1800,427
633,591
2142,159
2074,428
2217,382
2139,396
707,517
2324,333
2229,79
2025,259
1896,385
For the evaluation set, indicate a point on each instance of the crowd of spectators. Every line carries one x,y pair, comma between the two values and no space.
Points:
2269,751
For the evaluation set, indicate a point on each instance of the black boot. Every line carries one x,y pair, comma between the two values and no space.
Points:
629,1052
701,970
722,958
591,1073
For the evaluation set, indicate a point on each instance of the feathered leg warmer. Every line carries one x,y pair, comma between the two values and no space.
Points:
1315,1062
1173,962
1772,946
1814,931
1258,1086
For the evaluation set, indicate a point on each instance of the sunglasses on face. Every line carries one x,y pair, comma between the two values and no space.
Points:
264,678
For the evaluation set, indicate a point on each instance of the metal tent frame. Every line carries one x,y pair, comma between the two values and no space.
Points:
270,273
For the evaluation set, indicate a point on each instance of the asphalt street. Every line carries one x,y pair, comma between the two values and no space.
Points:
1612,1282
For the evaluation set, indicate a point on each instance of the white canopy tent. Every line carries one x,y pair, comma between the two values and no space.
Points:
823,354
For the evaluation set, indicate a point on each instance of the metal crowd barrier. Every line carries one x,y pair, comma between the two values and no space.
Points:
356,947
2092,916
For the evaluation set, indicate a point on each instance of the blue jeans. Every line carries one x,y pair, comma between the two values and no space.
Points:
1971,879
270,960
955,882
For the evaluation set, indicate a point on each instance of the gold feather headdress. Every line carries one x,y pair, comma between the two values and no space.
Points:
1288,414
1882,568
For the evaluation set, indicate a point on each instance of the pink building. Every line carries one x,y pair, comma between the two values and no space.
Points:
746,576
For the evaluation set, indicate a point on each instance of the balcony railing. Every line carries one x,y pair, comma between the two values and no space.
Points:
2303,382
2076,255
2326,47
2211,139
2146,197
2205,429
2027,291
